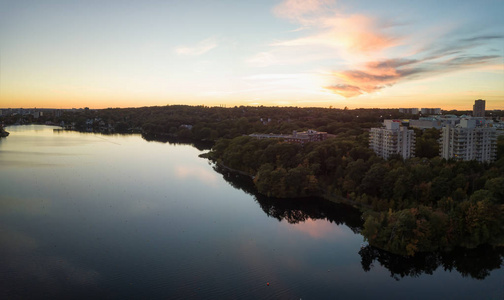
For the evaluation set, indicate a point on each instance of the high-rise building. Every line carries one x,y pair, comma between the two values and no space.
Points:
479,108
465,141
392,139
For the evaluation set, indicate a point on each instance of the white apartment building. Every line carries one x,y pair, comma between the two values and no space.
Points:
465,141
392,139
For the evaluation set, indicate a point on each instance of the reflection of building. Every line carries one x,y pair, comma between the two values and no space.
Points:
479,108
466,141
430,111
296,137
392,139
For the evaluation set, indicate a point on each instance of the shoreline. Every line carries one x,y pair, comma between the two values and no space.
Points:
325,195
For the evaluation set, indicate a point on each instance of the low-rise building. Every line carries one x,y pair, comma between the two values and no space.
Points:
296,137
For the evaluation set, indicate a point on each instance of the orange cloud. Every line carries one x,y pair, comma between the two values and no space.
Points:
358,33
374,77
377,75
348,33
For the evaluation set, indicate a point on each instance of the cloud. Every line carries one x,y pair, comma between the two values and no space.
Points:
201,48
354,32
262,59
482,38
345,90
300,10
380,74
368,51
444,57
325,33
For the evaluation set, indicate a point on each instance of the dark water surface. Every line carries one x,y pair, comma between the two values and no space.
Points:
117,217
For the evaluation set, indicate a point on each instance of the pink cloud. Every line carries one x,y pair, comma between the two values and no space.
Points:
376,75
348,33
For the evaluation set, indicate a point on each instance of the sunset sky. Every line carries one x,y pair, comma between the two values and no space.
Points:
122,53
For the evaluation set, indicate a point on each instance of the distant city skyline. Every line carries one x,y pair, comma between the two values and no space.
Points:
312,53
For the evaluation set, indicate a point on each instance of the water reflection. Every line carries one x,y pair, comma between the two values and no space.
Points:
475,263
295,211
200,145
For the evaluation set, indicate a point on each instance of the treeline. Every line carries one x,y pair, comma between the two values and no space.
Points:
212,123
420,204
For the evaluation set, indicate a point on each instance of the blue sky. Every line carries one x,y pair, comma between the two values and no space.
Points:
297,53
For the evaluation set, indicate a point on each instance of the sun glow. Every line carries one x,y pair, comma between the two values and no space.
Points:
302,53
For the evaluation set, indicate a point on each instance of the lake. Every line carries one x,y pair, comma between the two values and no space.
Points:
87,215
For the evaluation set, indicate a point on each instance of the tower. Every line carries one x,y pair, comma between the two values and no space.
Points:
479,108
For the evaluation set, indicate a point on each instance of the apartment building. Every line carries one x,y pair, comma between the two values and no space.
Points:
466,141
392,139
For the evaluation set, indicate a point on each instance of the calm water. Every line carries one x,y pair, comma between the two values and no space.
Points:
116,217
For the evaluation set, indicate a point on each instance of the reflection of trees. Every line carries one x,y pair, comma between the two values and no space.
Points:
300,210
476,263
200,145
297,210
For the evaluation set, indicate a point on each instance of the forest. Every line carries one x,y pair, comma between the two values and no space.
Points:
416,205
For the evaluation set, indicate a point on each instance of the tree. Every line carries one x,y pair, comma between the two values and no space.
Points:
372,183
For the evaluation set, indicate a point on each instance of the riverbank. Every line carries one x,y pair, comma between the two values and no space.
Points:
324,194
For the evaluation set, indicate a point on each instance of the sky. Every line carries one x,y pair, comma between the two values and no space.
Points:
311,53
